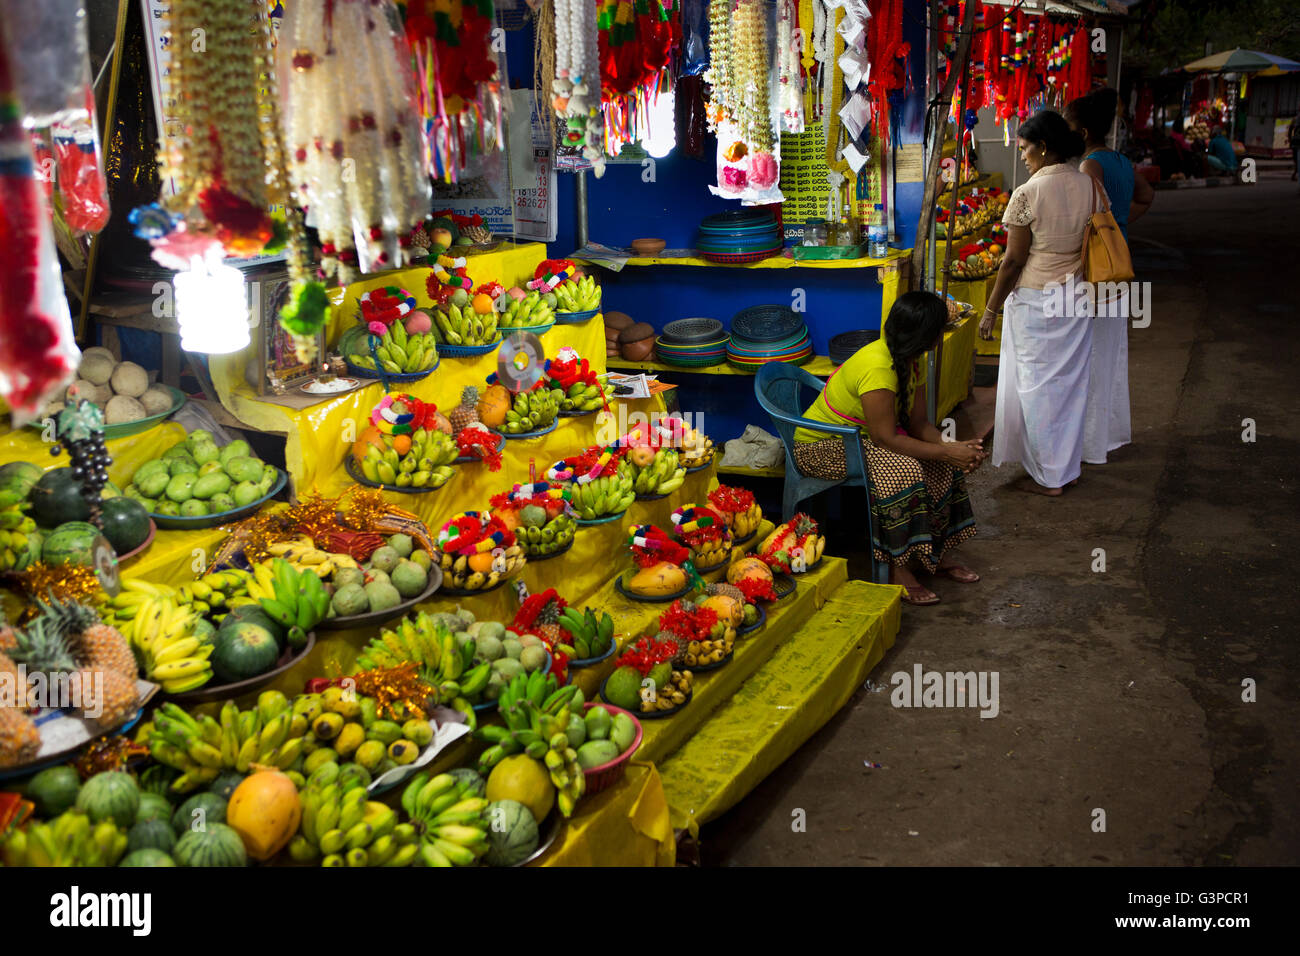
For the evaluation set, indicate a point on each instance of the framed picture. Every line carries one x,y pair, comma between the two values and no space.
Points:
278,368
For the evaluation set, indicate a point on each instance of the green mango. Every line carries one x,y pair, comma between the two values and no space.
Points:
245,493
211,484
168,508
208,467
176,451
194,508
181,487
183,466
153,484
198,435
236,449
221,502
205,451
243,469
155,466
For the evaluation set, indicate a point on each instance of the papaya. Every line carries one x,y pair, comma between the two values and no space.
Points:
664,578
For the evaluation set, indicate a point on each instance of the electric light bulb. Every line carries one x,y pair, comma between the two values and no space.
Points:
661,126
211,307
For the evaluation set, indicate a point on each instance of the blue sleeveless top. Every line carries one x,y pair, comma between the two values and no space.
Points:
1117,178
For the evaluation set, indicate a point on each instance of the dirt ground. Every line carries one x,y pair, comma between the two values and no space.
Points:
1120,691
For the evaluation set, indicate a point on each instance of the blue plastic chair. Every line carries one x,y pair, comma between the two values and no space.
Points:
777,388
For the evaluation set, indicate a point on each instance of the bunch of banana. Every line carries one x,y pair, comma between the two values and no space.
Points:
458,574
427,464
697,449
443,662
523,704
70,839
296,600
170,646
465,326
661,476
19,546
583,398
528,312
217,592
340,827
533,410
553,536
578,295
451,821
710,555
589,636
604,496
303,554
398,351
200,747
745,523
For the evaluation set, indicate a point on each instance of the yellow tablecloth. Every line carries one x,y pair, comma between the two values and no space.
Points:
626,825
958,360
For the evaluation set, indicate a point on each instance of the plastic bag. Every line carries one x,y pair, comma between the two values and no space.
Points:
81,172
49,58
695,38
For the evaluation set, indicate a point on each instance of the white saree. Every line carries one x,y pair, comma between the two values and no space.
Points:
1107,425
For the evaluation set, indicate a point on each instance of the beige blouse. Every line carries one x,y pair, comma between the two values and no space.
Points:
1055,203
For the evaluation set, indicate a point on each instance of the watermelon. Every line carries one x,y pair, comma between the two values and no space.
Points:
212,805
226,783
125,522
56,499
147,857
112,795
54,790
471,782
242,651
214,845
252,614
353,340
153,806
157,778
72,542
512,833
151,835
21,476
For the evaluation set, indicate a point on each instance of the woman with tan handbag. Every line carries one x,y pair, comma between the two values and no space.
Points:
1047,326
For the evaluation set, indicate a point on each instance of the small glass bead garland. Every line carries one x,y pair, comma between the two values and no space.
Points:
790,73
356,147
750,74
719,74
577,85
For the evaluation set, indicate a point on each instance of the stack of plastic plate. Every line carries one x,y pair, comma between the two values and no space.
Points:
739,236
692,343
768,333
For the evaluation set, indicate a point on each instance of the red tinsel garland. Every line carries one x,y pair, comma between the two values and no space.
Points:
730,499
688,625
480,443
756,589
646,653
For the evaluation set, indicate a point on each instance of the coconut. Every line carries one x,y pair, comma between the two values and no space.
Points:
96,367
130,379
156,400
636,333
618,320
99,394
122,409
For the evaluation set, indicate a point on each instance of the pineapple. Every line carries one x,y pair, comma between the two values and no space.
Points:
44,647
19,738
729,590
116,699
93,643
466,413
547,623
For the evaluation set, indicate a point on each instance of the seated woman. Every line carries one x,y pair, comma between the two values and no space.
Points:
920,508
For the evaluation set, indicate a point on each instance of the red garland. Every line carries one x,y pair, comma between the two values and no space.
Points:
688,625
730,499
667,550
646,653
533,606
480,443
756,589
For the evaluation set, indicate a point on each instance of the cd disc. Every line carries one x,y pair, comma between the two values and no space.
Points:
520,361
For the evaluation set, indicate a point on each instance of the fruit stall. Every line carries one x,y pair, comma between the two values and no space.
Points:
402,576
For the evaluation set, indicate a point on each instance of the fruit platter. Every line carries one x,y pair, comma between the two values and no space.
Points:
599,491
705,629
793,547
574,638
526,311
121,391
541,516
604,723
466,664
579,383
696,450
976,260
523,414
195,484
407,447
392,337
395,577
739,510
477,553
704,532
663,569
646,681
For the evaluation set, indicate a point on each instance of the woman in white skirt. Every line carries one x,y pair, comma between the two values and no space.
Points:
1047,321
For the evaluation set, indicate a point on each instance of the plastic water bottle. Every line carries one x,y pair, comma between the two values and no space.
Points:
877,242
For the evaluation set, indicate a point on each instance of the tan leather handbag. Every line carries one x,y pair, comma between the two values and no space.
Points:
1105,253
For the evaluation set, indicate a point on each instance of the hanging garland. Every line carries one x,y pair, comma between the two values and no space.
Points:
739,108
789,69
354,132
577,83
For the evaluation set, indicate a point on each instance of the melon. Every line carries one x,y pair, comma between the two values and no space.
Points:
129,379
19,476
151,835
125,522
623,688
521,778
253,614
214,845
153,806
71,543
225,784
243,651
112,795
96,367
157,400
147,857
56,499
123,409
470,781
512,833
54,790
213,807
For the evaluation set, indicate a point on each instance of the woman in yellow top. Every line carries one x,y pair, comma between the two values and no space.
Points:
918,500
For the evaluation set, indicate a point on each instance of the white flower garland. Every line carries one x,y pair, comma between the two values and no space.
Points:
790,75
577,85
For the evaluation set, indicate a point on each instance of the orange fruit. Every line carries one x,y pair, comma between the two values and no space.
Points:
483,303
401,444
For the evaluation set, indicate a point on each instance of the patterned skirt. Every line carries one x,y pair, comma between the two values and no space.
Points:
920,509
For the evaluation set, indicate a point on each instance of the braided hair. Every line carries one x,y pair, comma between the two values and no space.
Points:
914,325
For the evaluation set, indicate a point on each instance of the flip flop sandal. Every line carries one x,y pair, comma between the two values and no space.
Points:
962,575
929,599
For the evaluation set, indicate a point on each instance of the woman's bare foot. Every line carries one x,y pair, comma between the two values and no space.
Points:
913,592
960,574
1028,484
